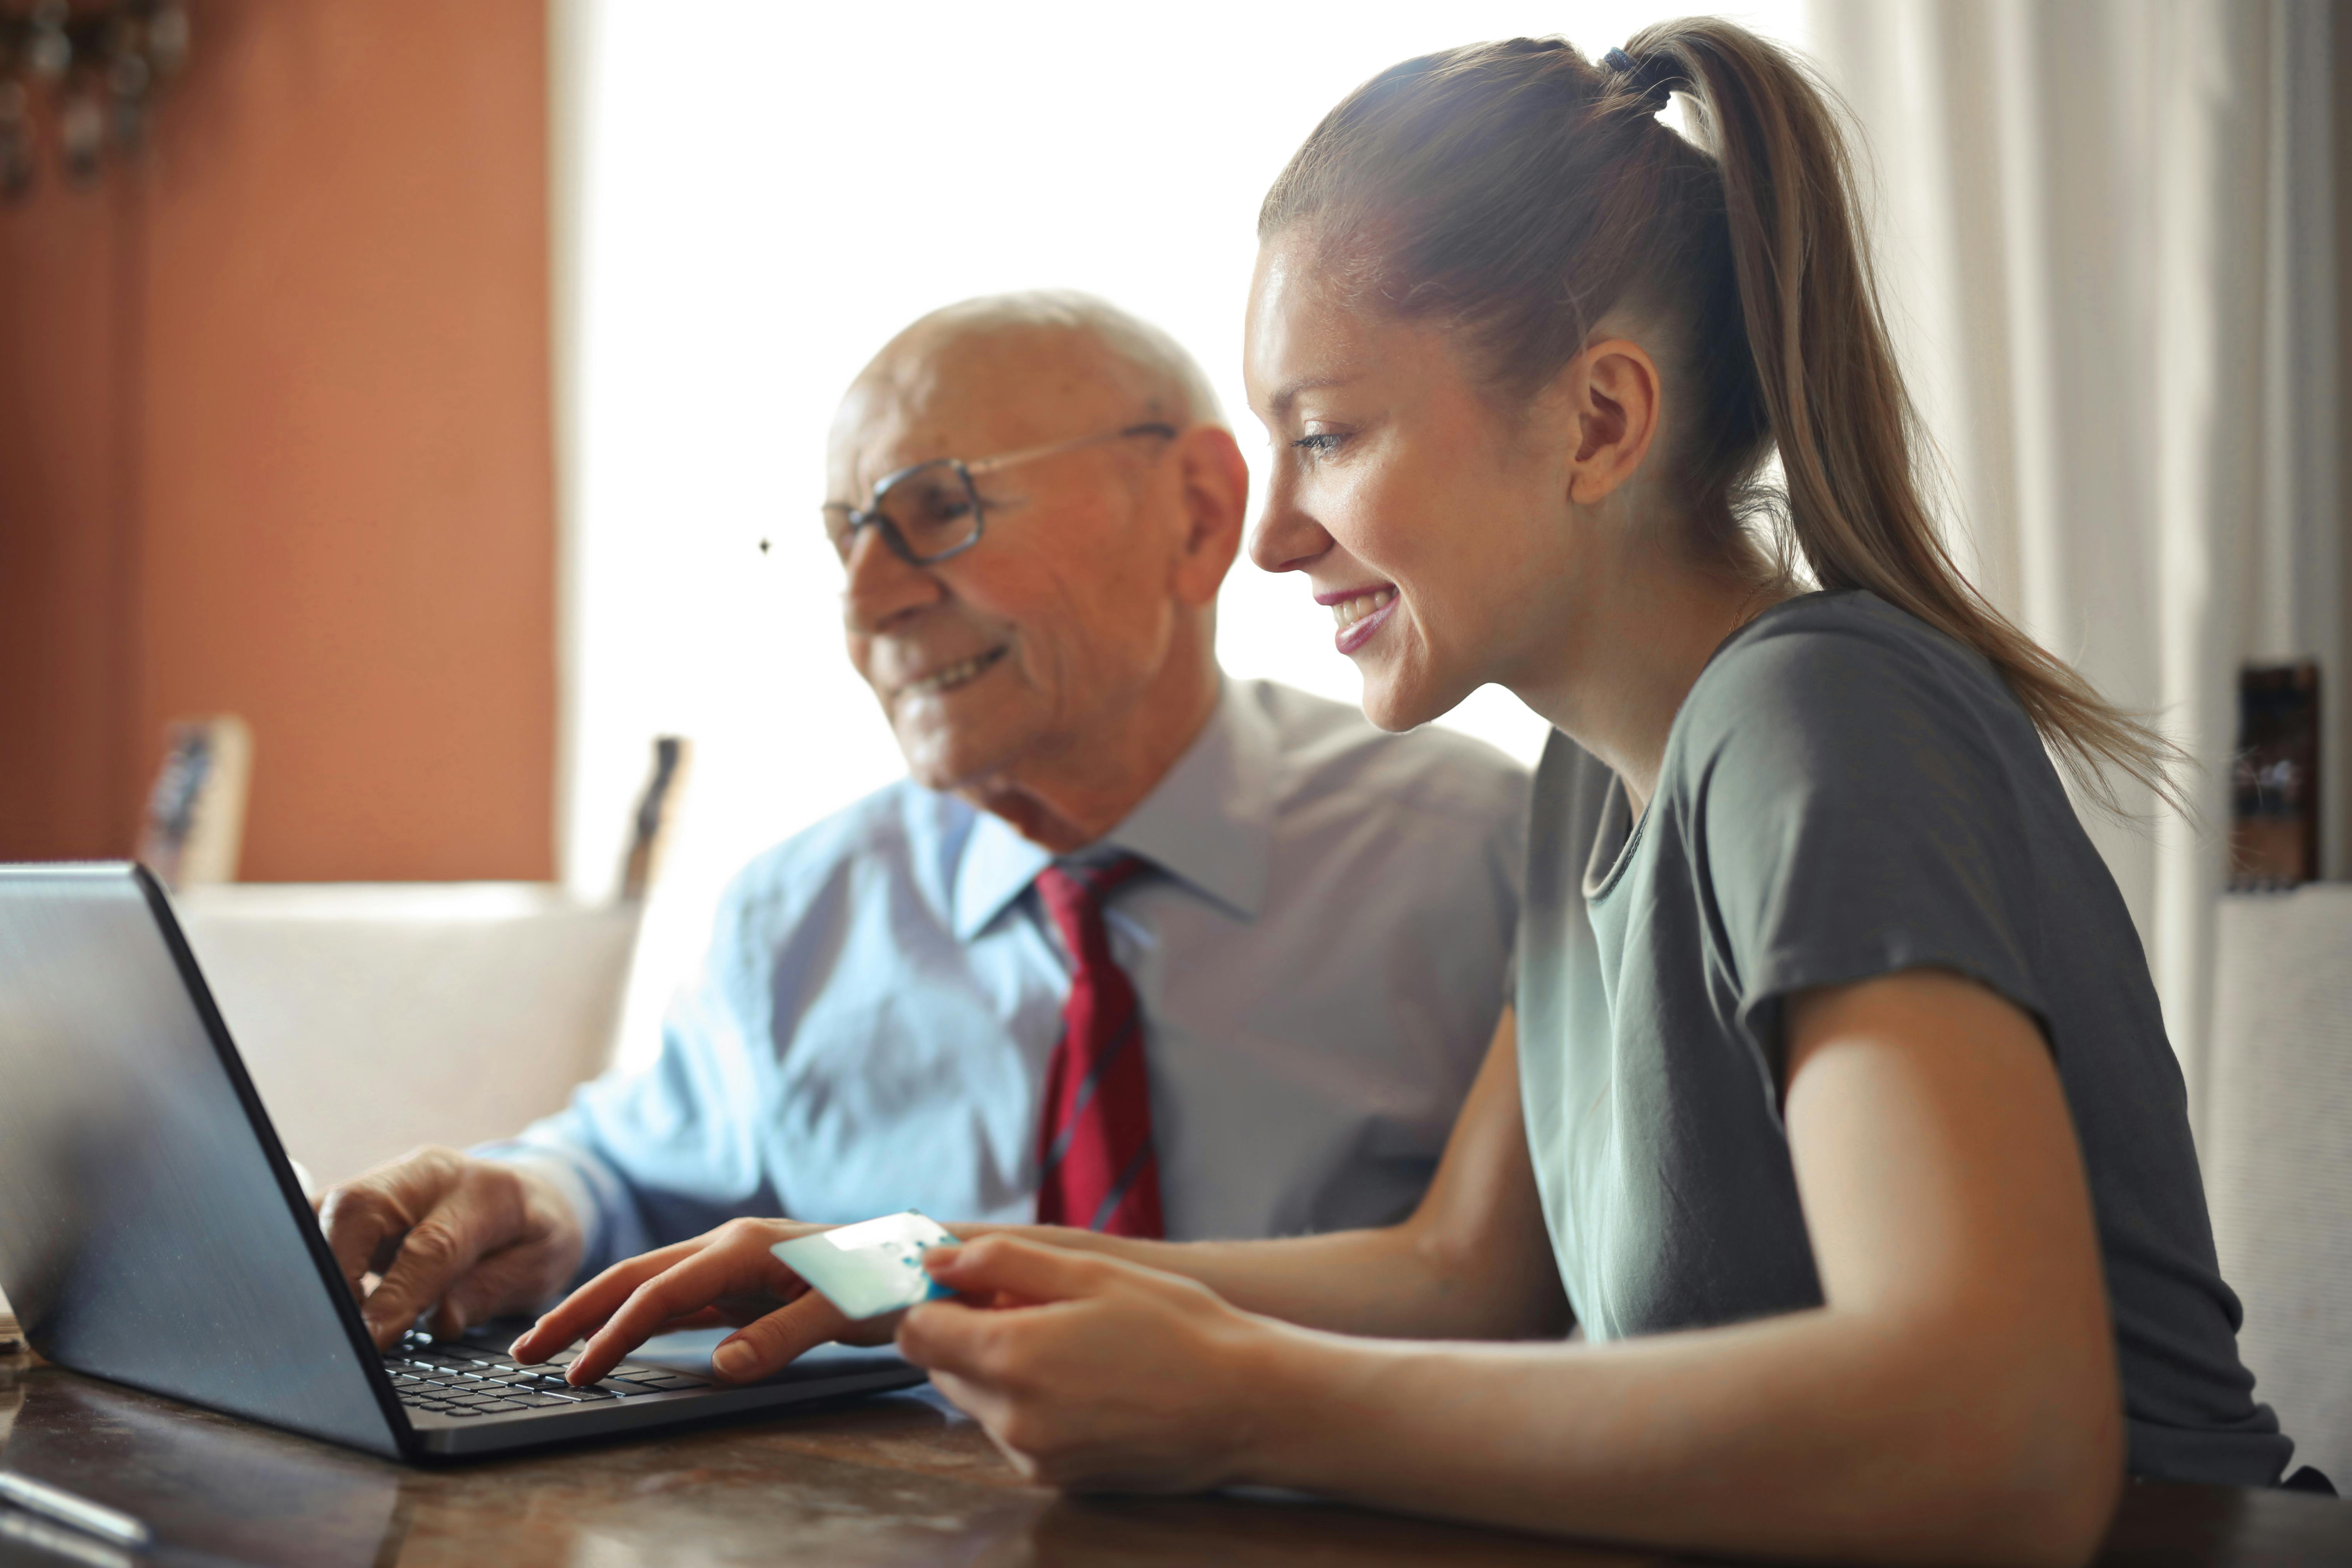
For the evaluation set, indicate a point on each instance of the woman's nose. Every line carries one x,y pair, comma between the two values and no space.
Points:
1286,539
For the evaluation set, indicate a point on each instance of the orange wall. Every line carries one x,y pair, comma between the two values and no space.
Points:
275,439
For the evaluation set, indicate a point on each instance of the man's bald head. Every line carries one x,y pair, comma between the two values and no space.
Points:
1086,336
1052,670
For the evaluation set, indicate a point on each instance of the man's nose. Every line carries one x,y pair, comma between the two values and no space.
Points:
1286,539
880,587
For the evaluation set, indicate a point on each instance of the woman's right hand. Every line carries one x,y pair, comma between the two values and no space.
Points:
726,1275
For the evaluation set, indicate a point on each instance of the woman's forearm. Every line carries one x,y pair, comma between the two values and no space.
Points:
1316,1281
1812,1436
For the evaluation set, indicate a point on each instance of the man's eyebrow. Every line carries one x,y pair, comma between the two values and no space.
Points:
1282,401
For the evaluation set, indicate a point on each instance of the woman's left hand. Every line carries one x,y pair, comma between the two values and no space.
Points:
1093,1375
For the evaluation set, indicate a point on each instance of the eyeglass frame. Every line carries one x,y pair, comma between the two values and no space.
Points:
871,514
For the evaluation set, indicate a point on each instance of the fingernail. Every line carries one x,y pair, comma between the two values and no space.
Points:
732,1359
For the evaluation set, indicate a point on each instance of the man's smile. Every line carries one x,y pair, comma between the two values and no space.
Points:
946,678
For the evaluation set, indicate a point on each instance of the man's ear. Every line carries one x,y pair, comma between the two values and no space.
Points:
1611,401
1216,500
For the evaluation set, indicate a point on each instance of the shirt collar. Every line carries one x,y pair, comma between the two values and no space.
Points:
1209,822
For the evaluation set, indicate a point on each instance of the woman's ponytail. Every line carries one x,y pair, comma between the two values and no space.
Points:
1848,436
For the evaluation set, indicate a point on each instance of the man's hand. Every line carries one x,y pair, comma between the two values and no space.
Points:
471,1239
726,1275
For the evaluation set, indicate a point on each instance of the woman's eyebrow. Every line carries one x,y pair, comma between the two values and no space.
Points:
1281,403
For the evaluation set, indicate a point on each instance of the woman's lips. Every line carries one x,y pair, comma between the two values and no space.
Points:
1361,613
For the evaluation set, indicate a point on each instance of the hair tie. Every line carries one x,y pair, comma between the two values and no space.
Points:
1653,84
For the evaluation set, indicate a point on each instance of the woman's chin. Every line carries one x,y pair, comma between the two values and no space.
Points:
1397,705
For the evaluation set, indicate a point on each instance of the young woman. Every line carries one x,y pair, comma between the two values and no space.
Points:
1836,1107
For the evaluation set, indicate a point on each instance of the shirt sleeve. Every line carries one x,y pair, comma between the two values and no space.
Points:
1857,815
655,1154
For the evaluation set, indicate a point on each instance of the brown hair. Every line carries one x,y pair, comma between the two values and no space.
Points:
1516,193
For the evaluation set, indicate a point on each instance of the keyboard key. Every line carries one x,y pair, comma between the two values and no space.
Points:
461,1410
671,1379
499,1406
545,1398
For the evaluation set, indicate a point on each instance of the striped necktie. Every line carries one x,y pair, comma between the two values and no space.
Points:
1095,1161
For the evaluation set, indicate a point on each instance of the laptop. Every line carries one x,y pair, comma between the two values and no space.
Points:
153,1232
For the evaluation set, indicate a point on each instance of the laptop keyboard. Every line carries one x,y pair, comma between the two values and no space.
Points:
454,1378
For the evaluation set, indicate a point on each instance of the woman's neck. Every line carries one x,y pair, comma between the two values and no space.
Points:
1615,688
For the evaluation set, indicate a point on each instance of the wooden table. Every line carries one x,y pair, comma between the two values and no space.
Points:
900,1479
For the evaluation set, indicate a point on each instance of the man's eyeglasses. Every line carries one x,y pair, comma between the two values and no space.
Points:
932,510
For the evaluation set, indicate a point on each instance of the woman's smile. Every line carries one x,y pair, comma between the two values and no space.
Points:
1359,612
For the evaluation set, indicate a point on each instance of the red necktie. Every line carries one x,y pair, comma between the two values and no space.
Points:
1096,1167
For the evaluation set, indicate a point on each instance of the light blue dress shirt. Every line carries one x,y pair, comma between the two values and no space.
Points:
1321,958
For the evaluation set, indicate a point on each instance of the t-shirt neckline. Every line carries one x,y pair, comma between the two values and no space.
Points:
1617,806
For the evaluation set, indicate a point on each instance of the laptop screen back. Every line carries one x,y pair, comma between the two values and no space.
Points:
151,1231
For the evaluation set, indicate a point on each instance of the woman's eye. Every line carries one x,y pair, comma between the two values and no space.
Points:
1321,445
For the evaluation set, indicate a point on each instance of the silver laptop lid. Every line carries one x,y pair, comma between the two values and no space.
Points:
151,1229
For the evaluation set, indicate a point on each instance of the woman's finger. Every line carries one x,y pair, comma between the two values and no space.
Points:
991,1409
1026,1271
776,1340
731,1266
596,1301
963,1342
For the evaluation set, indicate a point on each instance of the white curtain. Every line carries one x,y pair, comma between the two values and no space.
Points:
2105,232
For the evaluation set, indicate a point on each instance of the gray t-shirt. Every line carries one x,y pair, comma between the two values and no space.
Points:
1845,792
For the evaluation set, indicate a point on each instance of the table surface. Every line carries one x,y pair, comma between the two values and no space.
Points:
898,1478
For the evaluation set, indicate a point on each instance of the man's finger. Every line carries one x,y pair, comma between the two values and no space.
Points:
438,1252
358,1221
503,1281
773,1343
1027,1270
365,1217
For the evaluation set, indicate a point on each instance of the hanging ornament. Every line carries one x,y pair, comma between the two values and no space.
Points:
82,81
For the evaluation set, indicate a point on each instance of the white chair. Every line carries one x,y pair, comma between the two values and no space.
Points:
376,1018
2278,1154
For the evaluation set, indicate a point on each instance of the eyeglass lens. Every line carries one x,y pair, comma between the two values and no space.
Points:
931,508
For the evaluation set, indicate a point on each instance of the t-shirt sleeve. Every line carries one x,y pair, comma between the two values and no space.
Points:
1857,815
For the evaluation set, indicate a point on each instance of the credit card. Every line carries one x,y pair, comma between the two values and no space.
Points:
871,1268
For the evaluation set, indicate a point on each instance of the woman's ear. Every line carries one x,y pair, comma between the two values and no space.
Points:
1610,391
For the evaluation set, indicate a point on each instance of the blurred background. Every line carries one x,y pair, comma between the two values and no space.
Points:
393,395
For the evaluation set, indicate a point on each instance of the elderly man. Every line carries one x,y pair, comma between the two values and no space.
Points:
1135,946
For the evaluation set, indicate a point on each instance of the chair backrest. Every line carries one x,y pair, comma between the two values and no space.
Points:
2277,1155
373,1018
